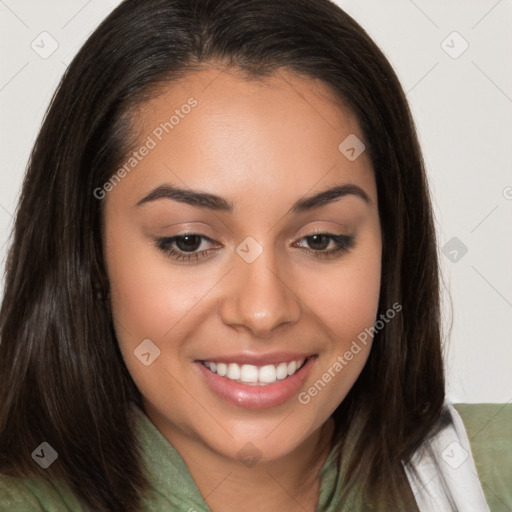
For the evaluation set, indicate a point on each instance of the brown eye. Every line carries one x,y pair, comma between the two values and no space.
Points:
188,243
319,242
184,247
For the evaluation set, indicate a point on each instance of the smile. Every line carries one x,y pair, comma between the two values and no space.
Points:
255,375
271,382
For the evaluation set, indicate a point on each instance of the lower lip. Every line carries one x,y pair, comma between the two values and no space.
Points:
257,397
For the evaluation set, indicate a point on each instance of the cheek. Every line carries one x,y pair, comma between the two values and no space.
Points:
347,302
148,298
148,302
138,296
347,305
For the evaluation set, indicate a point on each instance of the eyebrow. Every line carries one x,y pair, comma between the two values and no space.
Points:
217,203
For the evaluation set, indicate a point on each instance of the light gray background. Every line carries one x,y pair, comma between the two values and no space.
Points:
462,103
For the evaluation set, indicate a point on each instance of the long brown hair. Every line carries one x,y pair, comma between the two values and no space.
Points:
62,377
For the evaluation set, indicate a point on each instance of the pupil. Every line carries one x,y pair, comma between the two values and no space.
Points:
189,242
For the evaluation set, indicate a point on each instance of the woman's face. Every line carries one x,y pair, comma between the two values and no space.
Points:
274,269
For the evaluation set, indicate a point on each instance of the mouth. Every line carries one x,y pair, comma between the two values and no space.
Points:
256,386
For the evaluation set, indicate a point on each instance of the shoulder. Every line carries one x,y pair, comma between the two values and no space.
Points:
489,430
31,495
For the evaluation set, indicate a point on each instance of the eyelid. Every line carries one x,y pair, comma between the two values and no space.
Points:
173,238
316,230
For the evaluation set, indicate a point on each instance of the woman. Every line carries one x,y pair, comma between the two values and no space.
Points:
290,358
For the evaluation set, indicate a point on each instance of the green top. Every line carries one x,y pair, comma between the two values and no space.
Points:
489,429
172,487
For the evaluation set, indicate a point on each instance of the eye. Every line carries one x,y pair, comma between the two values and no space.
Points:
319,242
184,247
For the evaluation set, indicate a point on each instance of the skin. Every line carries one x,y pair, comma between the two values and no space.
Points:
261,145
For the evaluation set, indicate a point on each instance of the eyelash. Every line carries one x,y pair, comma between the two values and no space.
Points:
344,244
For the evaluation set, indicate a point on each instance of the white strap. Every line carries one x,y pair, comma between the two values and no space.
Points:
446,479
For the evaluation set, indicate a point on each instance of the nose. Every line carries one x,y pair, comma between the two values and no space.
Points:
261,298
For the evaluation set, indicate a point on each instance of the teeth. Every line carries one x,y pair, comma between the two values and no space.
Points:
255,375
268,373
249,373
282,371
233,371
222,369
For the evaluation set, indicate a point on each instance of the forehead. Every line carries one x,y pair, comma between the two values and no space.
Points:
218,130
230,85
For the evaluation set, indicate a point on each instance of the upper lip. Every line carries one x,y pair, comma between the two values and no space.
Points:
258,359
